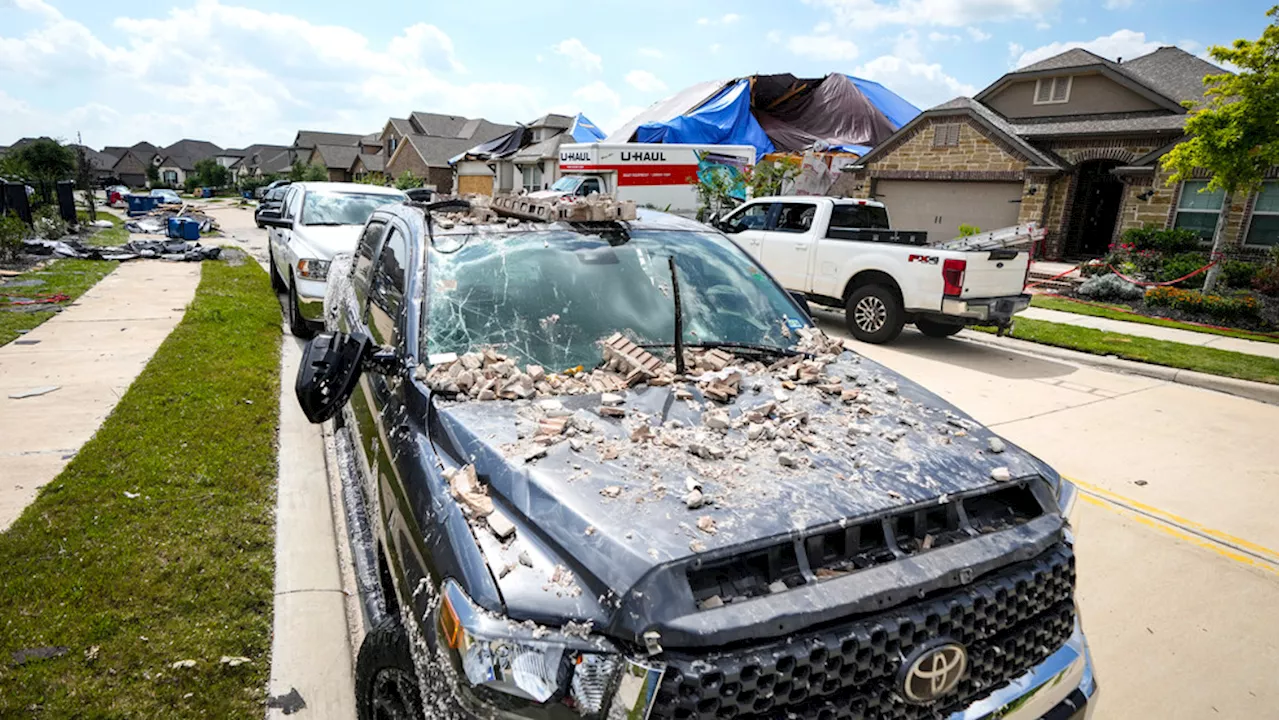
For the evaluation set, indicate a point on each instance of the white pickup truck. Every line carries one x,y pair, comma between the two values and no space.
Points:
842,253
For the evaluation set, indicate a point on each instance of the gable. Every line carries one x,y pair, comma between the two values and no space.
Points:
1087,94
947,143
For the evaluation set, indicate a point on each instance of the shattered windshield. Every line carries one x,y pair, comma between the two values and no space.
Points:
549,297
567,183
331,208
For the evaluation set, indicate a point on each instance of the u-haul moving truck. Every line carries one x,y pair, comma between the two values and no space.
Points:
657,175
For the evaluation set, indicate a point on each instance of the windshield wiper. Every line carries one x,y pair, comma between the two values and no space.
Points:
743,347
324,224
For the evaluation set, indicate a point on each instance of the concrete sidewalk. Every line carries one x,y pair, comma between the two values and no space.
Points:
92,351
1186,337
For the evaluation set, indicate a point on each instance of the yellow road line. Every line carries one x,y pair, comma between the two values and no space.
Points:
1185,536
1191,525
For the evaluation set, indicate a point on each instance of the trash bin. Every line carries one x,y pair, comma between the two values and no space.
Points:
139,204
247,194
175,228
206,192
190,229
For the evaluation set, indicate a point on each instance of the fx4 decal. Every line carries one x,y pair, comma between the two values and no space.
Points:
928,259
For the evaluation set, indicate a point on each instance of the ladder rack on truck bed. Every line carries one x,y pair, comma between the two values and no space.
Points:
1015,236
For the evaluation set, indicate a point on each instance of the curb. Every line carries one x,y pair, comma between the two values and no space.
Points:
1261,392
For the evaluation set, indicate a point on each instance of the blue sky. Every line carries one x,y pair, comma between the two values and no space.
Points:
238,73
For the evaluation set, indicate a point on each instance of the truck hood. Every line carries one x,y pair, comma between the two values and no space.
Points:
325,241
613,511
547,195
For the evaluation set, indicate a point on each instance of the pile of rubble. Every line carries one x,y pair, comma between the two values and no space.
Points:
514,209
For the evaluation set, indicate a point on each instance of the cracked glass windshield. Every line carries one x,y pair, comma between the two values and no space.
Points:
549,297
334,208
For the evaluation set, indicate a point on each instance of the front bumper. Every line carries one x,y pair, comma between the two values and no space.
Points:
986,310
310,294
1062,687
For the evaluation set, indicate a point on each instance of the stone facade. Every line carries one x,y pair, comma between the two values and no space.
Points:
975,152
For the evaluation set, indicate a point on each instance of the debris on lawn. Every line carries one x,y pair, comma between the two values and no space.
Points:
21,657
289,703
234,661
177,250
183,664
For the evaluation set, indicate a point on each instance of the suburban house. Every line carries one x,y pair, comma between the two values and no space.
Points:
337,160
527,158
367,164
423,144
258,160
132,162
1072,142
178,160
100,163
307,140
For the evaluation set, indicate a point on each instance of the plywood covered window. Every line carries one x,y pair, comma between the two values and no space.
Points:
1050,91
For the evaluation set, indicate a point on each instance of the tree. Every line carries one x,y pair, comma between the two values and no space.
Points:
307,173
153,175
43,163
210,174
407,181
768,176
1234,133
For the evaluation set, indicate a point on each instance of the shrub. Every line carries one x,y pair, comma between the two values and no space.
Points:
1171,241
1177,266
967,230
1267,281
12,231
1109,287
48,224
1239,273
1219,307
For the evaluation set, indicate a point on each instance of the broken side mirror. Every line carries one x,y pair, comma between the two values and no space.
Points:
384,360
327,375
272,218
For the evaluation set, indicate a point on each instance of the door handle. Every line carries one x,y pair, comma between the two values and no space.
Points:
799,248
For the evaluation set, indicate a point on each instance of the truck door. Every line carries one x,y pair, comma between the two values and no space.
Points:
590,185
786,244
746,226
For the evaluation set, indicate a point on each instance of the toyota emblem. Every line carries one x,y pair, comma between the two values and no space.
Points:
933,671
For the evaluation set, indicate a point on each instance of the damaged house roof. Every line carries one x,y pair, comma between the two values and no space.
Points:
455,126
434,151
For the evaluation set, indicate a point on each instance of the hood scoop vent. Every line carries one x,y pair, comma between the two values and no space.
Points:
835,552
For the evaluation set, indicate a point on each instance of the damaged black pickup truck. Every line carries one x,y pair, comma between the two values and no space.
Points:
612,470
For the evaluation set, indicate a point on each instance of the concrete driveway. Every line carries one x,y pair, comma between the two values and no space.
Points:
1176,538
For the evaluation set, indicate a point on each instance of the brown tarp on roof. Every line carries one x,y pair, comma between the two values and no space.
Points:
795,113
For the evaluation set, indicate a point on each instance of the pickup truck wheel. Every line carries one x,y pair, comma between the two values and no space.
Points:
298,325
937,329
873,314
386,682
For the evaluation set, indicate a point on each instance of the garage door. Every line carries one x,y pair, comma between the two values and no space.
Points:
940,207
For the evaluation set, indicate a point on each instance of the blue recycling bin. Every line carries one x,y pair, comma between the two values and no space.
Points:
190,229
140,203
175,228
206,192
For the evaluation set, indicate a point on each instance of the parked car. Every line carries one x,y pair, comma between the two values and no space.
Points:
167,197
269,203
314,222
780,529
843,253
262,191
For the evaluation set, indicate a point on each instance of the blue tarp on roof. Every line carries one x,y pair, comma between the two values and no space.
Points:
585,131
725,119
894,108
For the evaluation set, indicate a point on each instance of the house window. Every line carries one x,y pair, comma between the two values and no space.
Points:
946,135
531,177
170,177
391,146
1263,226
1051,91
1198,211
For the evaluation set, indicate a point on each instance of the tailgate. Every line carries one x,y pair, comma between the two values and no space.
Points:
995,273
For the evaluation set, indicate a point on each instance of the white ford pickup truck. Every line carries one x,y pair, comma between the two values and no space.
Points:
842,253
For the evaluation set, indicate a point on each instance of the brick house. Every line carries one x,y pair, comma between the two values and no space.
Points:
423,144
178,160
1072,142
336,160
132,162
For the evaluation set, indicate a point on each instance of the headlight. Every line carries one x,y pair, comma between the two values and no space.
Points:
525,661
312,269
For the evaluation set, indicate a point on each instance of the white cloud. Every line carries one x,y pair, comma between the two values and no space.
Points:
1117,4
937,37
645,81
1121,43
602,104
822,47
867,14
822,28
583,59
715,48
977,35
1042,25
241,75
907,46
1015,50
726,19
923,84
597,92
654,53
773,36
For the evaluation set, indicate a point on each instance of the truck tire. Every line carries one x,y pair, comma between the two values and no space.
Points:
937,329
277,284
386,682
298,325
873,314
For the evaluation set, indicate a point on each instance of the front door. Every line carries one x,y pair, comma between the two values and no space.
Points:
1093,214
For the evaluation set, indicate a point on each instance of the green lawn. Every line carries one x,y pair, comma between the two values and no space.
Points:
1049,302
1156,352
131,585
70,277
114,235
